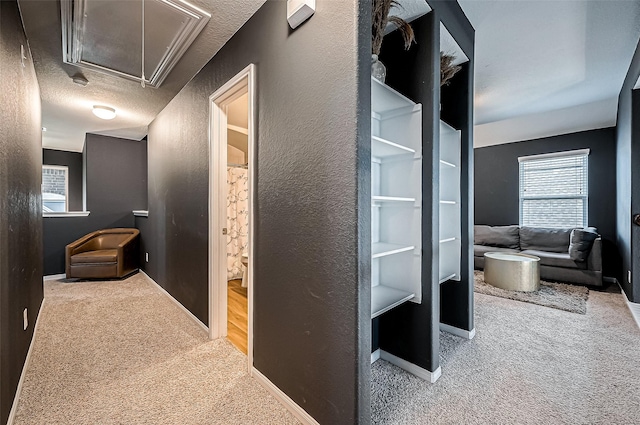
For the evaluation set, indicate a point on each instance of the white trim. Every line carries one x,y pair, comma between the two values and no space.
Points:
283,398
54,277
375,356
27,360
634,308
176,302
66,214
411,368
554,155
457,331
141,213
243,82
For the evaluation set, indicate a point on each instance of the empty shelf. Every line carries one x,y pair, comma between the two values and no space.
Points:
384,298
392,199
381,148
444,279
384,98
381,249
447,240
446,164
448,202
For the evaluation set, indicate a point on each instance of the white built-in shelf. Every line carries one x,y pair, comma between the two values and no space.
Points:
444,279
381,249
445,164
382,148
448,202
391,199
384,298
385,99
447,240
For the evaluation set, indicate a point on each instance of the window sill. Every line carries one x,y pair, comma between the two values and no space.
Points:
66,214
141,213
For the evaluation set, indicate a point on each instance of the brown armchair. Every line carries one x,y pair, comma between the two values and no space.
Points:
108,253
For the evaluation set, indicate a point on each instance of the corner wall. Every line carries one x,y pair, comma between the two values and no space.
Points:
20,203
312,292
628,180
497,196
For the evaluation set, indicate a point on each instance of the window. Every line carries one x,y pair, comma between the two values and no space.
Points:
55,188
554,189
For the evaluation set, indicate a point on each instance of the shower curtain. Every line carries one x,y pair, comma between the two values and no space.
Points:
237,220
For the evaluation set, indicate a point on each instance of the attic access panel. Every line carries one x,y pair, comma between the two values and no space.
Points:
106,36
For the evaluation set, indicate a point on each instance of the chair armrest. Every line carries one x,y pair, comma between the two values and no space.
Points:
128,254
594,261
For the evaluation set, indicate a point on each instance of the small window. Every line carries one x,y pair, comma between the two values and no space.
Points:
554,189
55,188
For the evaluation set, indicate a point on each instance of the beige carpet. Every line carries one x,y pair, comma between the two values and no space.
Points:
526,365
562,296
120,352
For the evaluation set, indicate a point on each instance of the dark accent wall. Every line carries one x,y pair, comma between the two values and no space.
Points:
497,183
312,294
72,160
116,184
628,180
20,202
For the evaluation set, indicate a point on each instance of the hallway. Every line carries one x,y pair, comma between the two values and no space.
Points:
122,352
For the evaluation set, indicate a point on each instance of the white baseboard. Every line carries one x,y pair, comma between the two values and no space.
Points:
54,276
411,368
284,399
176,302
375,355
16,398
457,331
634,308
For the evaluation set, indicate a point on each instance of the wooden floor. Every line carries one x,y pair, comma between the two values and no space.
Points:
237,307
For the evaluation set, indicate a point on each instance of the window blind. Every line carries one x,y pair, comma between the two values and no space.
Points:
554,190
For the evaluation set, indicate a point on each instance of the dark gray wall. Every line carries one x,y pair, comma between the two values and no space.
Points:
116,184
628,179
73,160
497,183
20,202
312,298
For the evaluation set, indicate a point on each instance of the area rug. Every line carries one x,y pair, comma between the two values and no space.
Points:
561,296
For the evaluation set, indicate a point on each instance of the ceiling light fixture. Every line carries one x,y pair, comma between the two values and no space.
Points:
104,112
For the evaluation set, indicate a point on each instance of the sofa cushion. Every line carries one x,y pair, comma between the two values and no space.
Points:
93,257
545,239
556,259
480,250
501,236
581,241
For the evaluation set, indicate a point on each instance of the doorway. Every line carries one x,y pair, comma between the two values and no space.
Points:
231,183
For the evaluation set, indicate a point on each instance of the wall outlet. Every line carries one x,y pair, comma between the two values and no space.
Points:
629,276
146,257
25,320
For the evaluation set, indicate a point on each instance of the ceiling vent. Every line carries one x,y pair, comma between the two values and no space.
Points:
107,36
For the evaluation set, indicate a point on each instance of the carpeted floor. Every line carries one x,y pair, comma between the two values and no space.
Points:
121,352
562,296
526,365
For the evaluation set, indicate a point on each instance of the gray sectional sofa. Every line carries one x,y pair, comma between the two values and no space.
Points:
566,255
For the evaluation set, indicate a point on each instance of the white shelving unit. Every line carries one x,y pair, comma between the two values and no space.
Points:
396,188
450,230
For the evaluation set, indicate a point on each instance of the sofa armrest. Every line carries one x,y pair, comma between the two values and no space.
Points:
594,261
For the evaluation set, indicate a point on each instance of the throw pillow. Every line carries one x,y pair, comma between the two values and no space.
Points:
581,243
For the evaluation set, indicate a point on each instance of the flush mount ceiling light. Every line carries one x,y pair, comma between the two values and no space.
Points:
104,112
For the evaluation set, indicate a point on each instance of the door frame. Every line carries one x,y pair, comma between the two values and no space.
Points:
245,80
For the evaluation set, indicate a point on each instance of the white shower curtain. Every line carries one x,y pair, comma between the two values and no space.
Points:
237,220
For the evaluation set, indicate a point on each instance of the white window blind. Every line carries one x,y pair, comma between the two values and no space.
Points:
554,189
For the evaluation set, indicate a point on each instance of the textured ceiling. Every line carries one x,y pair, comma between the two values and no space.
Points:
549,67
66,106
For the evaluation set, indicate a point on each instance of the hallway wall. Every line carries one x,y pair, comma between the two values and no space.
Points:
20,202
116,179
312,290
